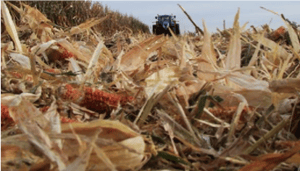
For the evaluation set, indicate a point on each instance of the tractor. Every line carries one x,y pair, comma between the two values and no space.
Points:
163,23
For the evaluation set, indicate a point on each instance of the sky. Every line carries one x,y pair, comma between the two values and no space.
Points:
213,12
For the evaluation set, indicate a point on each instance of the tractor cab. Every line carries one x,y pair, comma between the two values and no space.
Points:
163,23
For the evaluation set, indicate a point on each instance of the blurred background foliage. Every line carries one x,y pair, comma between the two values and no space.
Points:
72,13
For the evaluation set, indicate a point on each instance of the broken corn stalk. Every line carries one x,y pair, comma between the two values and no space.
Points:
93,99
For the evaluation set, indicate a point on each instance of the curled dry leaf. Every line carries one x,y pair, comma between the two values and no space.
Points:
233,60
31,122
293,36
23,60
10,26
86,25
270,161
126,150
35,18
136,57
207,60
162,79
275,48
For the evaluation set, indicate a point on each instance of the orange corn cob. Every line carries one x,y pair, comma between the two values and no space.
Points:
54,71
5,113
16,74
44,109
20,75
93,99
6,120
278,33
65,54
67,120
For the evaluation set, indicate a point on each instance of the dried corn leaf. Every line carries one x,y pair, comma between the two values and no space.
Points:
35,18
54,119
86,25
121,131
137,56
168,128
42,47
150,102
16,155
255,91
293,36
3,61
93,61
82,161
67,45
127,155
208,52
248,82
276,49
255,55
162,79
101,155
178,129
147,67
76,69
30,120
233,59
126,151
236,119
23,60
10,27
14,100
270,161
207,61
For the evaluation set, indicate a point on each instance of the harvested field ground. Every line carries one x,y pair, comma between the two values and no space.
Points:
73,99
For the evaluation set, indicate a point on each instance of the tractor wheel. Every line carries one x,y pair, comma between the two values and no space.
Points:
167,32
177,29
154,29
159,30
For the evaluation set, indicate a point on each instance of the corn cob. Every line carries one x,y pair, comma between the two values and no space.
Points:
5,113
93,99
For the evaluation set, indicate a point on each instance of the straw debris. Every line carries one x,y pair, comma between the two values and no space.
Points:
92,98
